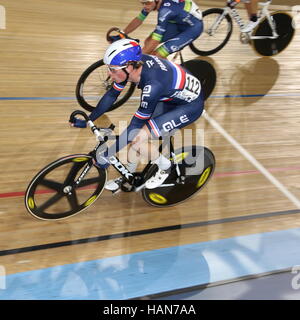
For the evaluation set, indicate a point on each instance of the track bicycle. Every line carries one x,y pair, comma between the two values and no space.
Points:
94,81
71,184
272,35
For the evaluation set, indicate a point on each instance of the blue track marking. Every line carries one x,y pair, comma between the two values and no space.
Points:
151,272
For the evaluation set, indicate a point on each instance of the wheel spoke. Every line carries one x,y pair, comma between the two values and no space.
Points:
50,201
51,184
72,199
88,182
73,172
93,83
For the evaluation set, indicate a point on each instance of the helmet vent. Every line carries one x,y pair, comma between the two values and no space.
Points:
112,52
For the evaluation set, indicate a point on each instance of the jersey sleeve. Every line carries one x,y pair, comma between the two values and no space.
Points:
107,100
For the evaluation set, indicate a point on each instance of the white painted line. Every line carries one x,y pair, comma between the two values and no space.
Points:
24,261
252,160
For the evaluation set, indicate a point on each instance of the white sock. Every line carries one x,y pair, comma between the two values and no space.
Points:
162,162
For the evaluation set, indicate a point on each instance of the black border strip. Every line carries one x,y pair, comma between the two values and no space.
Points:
200,287
144,232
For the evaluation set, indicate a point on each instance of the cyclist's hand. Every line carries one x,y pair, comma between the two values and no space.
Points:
114,38
78,123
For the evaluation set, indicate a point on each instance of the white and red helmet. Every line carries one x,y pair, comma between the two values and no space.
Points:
120,52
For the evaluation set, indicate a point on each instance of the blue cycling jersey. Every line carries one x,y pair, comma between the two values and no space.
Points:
161,82
181,12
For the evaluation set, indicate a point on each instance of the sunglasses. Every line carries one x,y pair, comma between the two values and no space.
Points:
115,69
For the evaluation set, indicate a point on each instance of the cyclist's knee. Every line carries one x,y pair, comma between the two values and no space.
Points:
146,41
142,137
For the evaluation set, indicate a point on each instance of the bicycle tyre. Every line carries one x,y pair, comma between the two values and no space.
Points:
285,30
173,195
205,39
205,72
45,203
89,104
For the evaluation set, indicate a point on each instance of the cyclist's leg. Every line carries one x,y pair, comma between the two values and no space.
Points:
178,117
146,41
141,148
144,148
171,32
167,118
251,7
179,40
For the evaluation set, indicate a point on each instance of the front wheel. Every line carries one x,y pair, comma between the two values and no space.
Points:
216,33
283,24
197,164
92,85
64,188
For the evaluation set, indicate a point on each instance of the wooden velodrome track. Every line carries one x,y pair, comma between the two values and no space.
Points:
43,50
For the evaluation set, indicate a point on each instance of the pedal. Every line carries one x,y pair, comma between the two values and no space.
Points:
126,187
180,180
116,191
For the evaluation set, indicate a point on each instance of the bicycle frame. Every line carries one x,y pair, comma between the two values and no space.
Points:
264,13
120,167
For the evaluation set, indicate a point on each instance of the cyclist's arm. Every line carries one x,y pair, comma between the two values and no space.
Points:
136,22
107,100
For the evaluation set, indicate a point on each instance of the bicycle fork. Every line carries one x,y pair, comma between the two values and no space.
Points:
210,31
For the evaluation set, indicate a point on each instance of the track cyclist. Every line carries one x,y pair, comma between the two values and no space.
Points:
179,22
251,7
171,99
